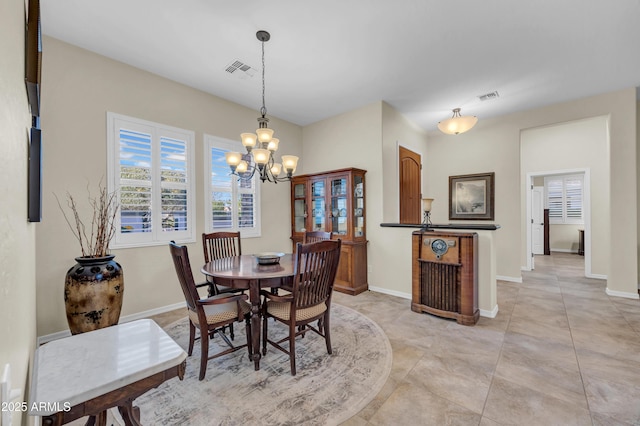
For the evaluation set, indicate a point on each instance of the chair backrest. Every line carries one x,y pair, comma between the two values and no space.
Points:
180,257
315,236
218,245
315,270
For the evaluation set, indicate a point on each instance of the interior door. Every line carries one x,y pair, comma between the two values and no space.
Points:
537,220
410,191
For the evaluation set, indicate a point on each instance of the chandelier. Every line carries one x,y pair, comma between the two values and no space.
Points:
261,146
458,123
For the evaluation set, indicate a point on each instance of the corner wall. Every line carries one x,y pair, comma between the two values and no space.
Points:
17,236
367,138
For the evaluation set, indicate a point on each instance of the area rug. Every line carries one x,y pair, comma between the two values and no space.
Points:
327,390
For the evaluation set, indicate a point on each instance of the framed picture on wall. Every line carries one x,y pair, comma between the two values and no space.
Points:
471,197
33,56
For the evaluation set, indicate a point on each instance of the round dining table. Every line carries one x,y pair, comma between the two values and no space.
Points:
244,272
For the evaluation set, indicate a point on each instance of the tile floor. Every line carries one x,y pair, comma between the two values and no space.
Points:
559,352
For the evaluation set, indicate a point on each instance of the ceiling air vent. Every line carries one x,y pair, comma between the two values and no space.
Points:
489,96
240,69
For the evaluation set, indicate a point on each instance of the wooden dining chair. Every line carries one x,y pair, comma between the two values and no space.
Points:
217,245
209,315
314,236
315,270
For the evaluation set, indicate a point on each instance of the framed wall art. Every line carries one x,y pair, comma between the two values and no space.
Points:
471,197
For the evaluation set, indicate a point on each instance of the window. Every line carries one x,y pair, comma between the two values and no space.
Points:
230,204
563,195
151,169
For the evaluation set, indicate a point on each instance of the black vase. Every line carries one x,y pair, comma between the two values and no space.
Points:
93,292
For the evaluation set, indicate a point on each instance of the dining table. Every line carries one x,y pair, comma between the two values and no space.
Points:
245,272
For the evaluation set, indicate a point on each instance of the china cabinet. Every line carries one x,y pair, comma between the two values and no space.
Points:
334,202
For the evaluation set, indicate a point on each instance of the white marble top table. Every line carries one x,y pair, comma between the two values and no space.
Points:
84,368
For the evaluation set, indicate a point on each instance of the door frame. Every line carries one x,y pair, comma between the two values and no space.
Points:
533,189
586,201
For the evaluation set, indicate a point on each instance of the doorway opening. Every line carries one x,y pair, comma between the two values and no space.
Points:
535,204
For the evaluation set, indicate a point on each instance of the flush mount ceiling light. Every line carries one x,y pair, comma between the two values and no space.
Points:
261,146
458,123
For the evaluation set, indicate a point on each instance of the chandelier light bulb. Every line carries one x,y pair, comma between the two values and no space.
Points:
289,162
233,158
276,169
242,167
249,140
264,134
261,156
273,144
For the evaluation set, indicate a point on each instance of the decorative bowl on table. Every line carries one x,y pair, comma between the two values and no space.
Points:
269,258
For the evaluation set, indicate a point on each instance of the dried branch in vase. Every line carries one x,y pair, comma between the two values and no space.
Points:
105,207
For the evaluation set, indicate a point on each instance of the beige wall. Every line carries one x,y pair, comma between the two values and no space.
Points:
565,238
17,236
397,131
579,144
486,148
367,138
494,145
79,88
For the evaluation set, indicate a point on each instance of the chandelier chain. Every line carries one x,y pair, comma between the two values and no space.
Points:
263,110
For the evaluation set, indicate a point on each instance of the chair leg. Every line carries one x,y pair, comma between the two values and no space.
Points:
247,320
327,333
192,337
231,331
204,352
265,320
292,347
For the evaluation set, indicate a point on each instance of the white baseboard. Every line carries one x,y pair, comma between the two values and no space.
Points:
391,292
564,250
483,313
510,279
127,318
489,314
622,294
151,312
597,276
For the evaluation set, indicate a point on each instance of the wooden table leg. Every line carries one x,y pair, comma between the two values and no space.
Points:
254,298
130,414
98,419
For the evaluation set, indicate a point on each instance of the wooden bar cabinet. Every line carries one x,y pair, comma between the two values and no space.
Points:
334,201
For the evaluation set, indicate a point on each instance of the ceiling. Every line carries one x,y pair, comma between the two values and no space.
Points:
423,57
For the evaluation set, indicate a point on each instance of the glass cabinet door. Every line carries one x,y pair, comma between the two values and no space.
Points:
339,206
299,206
318,206
358,206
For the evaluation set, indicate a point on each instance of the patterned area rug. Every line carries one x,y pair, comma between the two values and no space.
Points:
327,390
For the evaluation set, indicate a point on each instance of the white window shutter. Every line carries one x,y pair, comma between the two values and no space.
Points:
232,204
564,198
151,169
